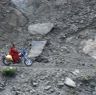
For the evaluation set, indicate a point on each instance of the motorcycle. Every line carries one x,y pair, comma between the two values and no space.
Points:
23,58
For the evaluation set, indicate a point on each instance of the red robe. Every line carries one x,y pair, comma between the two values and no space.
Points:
15,54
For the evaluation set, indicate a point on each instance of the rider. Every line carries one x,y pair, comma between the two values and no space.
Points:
14,53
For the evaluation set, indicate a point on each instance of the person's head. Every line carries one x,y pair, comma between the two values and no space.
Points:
12,45
9,57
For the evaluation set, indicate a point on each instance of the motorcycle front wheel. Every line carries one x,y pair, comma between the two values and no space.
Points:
27,62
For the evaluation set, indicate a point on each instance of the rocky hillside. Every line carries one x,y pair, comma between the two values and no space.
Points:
61,38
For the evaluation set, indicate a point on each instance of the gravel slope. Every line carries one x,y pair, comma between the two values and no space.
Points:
74,22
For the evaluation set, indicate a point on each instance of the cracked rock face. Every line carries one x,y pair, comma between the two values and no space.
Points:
11,22
16,18
20,3
27,6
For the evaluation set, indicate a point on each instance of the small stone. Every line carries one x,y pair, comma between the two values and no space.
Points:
60,2
35,84
74,27
40,28
1,88
69,82
51,91
60,84
17,93
62,38
57,93
22,76
13,88
47,88
95,88
69,39
76,72
32,91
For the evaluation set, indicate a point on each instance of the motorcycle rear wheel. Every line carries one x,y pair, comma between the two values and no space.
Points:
6,62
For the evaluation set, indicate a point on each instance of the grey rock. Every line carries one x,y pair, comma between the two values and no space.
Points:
95,88
94,93
35,84
76,72
40,28
47,88
57,93
82,93
60,2
69,82
37,48
13,88
51,91
2,85
90,47
32,91
20,3
74,27
1,88
60,84
27,6
17,93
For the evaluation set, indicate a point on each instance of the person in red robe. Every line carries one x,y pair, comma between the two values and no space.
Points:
14,53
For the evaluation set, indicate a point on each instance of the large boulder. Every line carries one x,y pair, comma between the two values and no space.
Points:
40,28
37,48
90,47
27,6
20,3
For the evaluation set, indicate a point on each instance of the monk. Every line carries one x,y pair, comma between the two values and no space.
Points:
15,54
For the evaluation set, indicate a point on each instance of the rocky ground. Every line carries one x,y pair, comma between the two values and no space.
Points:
70,46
